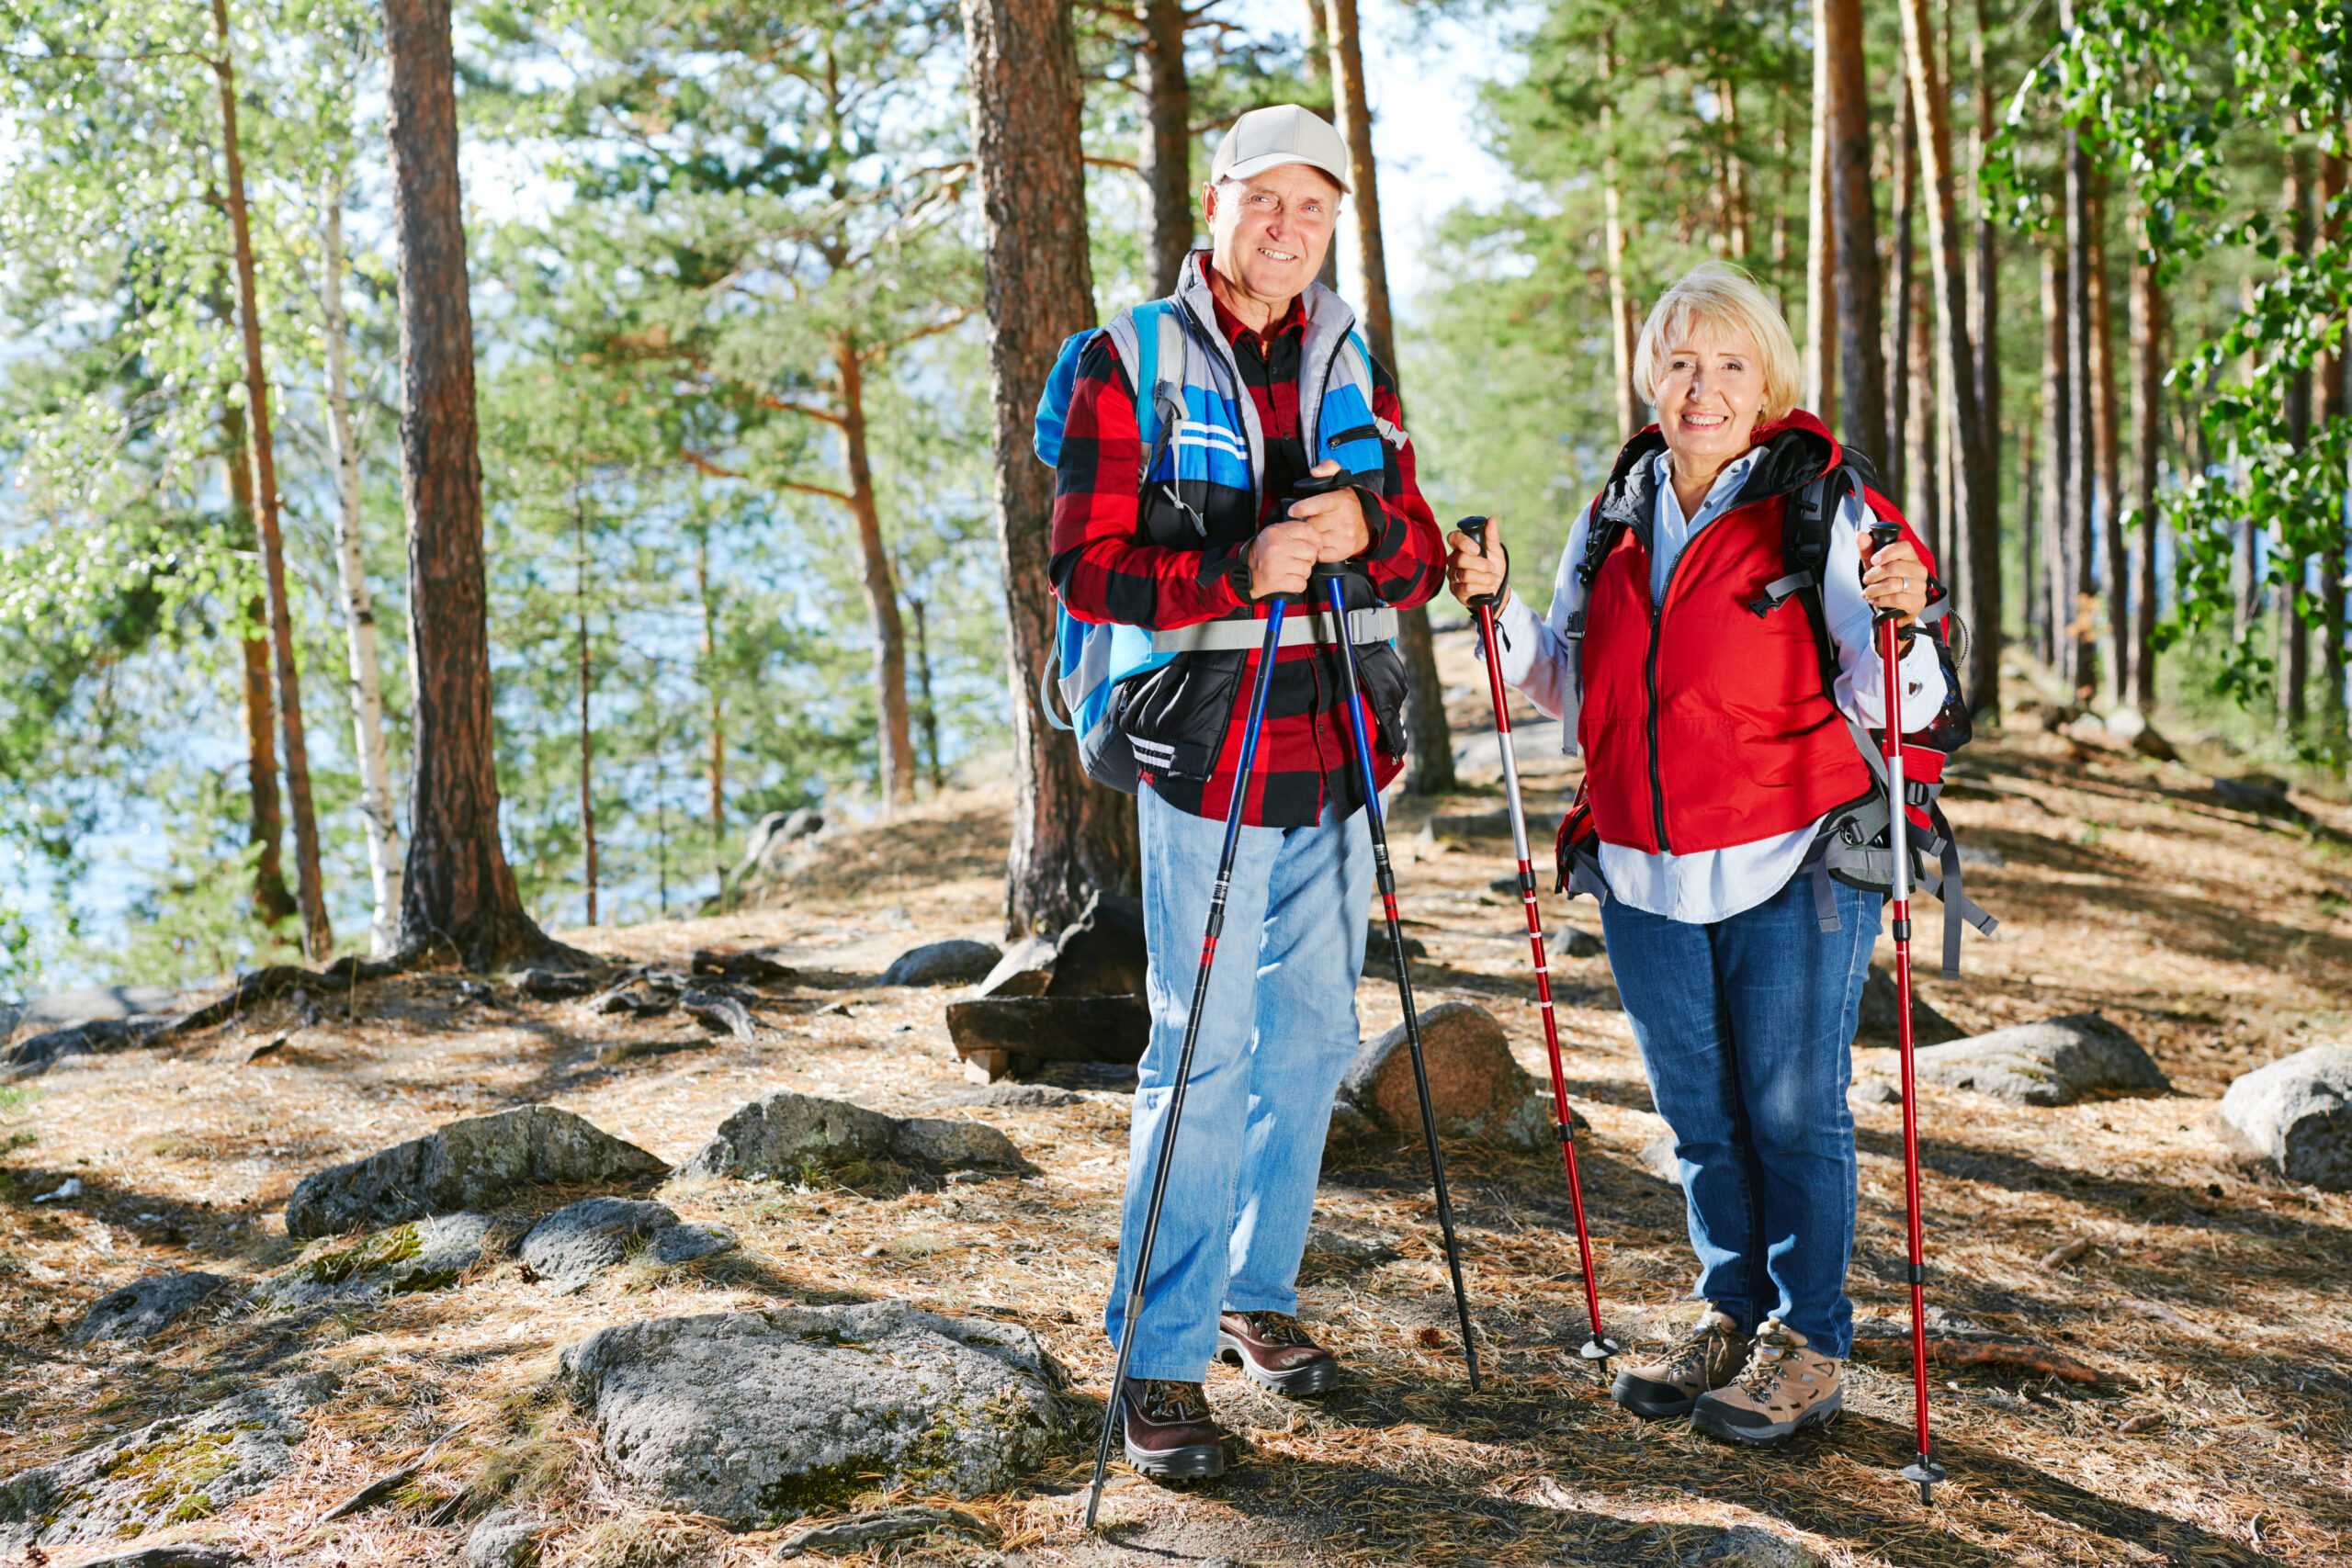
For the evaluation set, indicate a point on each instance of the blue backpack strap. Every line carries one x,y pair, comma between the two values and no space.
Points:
1053,401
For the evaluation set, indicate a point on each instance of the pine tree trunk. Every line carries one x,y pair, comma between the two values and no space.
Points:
1315,70
1894,464
1923,496
1612,251
459,893
2058,595
1164,153
587,680
1735,174
1821,243
359,610
898,750
2329,405
714,772
1862,353
2080,653
927,712
2105,420
1428,767
2029,539
1972,517
2148,405
2294,632
1071,836
1981,601
318,934
271,902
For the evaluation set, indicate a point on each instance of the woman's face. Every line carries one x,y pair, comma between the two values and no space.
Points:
1710,386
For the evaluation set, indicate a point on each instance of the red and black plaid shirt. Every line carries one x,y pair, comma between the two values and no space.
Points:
1104,572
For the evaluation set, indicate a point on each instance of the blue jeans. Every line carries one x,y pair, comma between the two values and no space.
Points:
1746,1027
1277,1035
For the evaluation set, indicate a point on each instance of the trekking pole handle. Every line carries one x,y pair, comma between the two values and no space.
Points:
1477,528
1882,536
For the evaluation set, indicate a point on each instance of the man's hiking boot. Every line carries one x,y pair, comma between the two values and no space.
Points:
1784,1388
1170,1435
1708,1356
1273,1351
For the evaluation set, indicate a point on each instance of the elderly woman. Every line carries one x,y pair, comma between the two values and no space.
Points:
1690,675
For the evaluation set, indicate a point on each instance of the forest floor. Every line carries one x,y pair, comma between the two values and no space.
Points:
2211,1300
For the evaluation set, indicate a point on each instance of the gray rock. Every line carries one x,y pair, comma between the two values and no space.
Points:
182,1467
552,985
1874,1092
690,1244
1749,1547
1660,1160
1982,854
954,962
1052,1029
172,1554
757,1417
1101,953
1361,1251
423,1255
2056,1062
1350,1130
144,1308
478,1162
1476,1086
1882,1013
770,837
35,1053
2295,1113
1011,1097
89,1005
580,1240
1025,970
1376,954
2264,795
504,1538
1475,825
1574,941
783,1133
880,1524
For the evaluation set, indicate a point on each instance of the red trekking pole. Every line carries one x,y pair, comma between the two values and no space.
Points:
1925,1470
1600,1347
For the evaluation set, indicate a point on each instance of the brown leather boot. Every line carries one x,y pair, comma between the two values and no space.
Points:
1169,1432
1786,1386
1708,1356
1273,1351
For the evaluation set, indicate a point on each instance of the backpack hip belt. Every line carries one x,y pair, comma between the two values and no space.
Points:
1364,627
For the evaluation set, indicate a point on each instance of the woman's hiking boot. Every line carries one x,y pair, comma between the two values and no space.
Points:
1272,1349
1784,1388
1708,1356
1170,1435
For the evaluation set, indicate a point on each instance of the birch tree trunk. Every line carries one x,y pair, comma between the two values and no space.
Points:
1164,153
1071,836
898,751
359,608
1429,768
318,934
459,892
1972,517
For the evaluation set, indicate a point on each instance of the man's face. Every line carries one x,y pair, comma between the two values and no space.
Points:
1268,235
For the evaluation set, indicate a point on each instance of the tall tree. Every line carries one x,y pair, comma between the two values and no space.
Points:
1164,150
2147,416
1861,363
1429,769
1981,589
1820,346
1071,836
1973,519
459,892
2294,631
2329,405
2106,447
318,934
2057,458
1612,240
271,902
1894,461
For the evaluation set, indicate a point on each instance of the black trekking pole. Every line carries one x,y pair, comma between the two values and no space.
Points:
1924,1470
1333,576
1241,776
1600,1347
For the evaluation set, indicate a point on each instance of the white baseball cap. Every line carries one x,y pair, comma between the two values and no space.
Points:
1285,134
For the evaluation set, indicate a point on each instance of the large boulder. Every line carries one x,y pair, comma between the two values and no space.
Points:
757,1417
35,1053
180,1468
1025,970
2295,1113
1477,1087
954,962
2056,1062
1882,1013
1050,1029
786,1133
1101,953
476,1163
144,1308
422,1254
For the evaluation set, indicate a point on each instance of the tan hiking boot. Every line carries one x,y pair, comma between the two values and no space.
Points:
1708,1356
1784,1388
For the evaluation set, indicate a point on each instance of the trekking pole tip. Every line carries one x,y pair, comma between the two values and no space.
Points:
1600,1347
1924,1472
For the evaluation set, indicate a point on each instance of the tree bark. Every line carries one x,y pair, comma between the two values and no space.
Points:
2294,632
1894,466
714,750
1981,596
1164,153
1821,243
359,608
1861,354
587,680
1923,499
2328,405
1736,233
1613,252
2029,539
1973,518
2080,653
898,751
2106,419
1428,767
271,902
2058,596
318,933
1071,836
460,893
927,712
2147,414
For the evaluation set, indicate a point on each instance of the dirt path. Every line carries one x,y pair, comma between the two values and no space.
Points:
2210,1301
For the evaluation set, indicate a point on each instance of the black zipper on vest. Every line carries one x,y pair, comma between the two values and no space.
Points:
1657,625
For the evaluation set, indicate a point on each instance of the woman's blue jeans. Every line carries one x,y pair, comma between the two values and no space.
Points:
1277,1035
1745,1027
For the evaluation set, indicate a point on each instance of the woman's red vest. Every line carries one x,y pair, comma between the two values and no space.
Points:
1703,724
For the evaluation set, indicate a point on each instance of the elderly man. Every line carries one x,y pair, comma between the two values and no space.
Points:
1274,386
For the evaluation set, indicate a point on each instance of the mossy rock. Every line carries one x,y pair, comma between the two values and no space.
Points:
428,1255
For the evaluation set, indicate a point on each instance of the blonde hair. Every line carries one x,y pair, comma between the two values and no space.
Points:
1720,295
